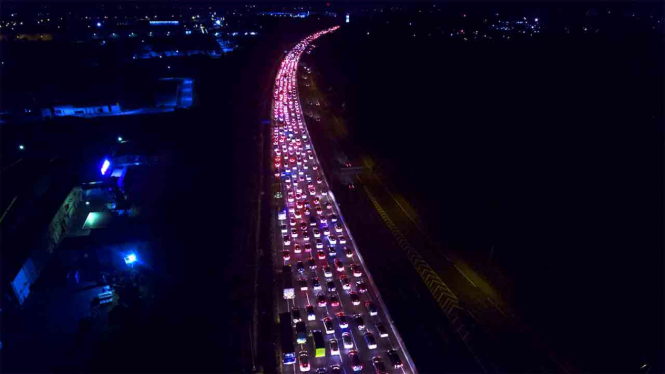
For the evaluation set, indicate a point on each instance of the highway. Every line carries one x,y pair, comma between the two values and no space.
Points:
309,232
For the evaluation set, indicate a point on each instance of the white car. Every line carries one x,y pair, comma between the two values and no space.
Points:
287,241
332,239
334,347
327,272
346,338
319,243
317,233
338,228
342,239
284,229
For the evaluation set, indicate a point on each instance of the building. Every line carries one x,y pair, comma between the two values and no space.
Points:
81,111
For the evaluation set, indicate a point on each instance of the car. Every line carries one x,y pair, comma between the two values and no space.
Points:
346,285
292,209
361,286
371,308
342,239
316,201
295,315
334,347
316,285
312,191
321,254
324,191
332,252
357,272
290,197
304,361
301,333
303,226
287,240
317,233
319,210
333,218
292,221
332,239
294,233
308,248
334,301
302,283
296,248
300,266
299,205
338,228
347,341
342,320
305,166
308,212
284,229
328,325
319,180
311,262
310,313
329,206
356,365
305,236
319,243
298,214
348,252
323,220
331,286
369,339
339,265
382,330
358,320
355,299
326,272
312,221
326,231
379,367
286,254
314,167
321,300
395,361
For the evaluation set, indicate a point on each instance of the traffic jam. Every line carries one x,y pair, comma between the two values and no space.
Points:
331,319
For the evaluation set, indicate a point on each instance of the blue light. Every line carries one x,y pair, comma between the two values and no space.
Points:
164,22
218,22
130,259
99,24
105,166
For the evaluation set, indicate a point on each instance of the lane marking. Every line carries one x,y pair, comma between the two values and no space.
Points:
467,278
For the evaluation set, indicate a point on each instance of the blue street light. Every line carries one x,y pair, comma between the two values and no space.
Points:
105,166
130,259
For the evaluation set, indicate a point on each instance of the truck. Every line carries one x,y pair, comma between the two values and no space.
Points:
319,345
288,351
287,282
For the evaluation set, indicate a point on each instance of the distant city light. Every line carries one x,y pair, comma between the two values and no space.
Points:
158,23
130,259
99,24
536,19
105,166
119,138
347,18
87,203
21,147
218,22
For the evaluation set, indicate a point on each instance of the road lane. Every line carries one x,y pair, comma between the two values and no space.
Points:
293,159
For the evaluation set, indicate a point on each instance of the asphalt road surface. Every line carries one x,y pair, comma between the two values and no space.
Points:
301,182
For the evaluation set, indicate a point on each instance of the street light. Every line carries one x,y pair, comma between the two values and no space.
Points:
21,147
130,259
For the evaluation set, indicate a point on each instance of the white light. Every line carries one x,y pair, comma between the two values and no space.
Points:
536,19
130,259
99,24
21,147
119,138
